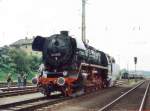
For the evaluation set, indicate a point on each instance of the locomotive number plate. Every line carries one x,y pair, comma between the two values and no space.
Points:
56,54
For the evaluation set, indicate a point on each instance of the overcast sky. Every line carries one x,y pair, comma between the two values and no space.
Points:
118,27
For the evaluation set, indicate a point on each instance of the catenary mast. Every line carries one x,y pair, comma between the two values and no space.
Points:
83,22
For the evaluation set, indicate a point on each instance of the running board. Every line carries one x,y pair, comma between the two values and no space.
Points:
93,65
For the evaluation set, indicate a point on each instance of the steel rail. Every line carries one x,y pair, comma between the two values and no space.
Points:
17,88
17,92
30,105
43,103
7,105
144,98
114,101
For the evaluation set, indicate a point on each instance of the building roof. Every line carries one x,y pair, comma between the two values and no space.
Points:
20,42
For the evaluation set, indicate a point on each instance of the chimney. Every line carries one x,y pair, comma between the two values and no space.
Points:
65,33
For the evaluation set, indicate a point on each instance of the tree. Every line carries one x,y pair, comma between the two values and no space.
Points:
5,59
20,58
15,60
34,62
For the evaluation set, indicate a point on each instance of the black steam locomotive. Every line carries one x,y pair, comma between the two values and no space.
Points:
61,49
70,65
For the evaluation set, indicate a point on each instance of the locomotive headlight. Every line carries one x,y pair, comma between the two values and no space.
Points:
65,73
61,81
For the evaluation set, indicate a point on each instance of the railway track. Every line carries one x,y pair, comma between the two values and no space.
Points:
31,104
133,100
4,84
4,89
147,101
13,91
17,92
88,102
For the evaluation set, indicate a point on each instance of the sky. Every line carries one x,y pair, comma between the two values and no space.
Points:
117,27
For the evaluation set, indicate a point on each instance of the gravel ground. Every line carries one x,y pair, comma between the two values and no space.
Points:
89,102
147,103
132,101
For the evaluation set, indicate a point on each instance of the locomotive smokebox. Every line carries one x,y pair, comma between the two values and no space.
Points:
65,33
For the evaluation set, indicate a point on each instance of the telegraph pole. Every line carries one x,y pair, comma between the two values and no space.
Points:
83,22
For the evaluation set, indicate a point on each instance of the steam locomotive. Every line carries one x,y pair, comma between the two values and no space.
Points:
71,66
